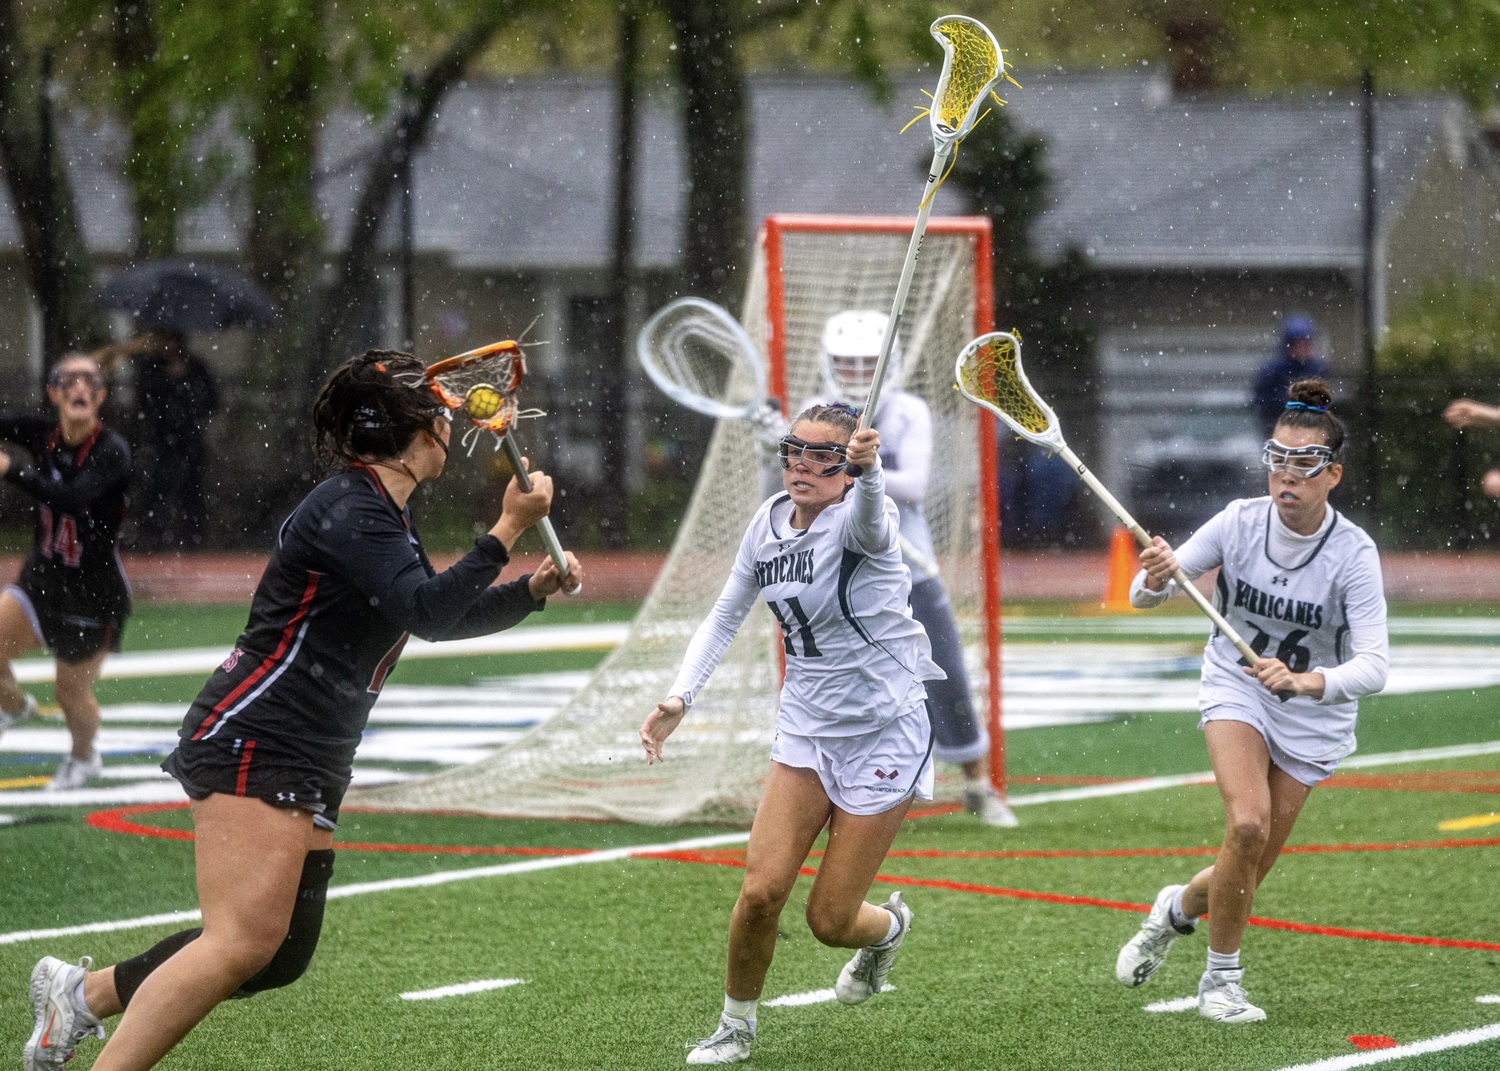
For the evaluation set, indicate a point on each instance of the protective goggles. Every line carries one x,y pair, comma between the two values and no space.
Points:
64,380
1302,461
825,459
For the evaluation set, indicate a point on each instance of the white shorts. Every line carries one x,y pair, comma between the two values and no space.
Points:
1304,771
870,773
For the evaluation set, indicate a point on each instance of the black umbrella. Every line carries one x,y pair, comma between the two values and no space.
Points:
184,295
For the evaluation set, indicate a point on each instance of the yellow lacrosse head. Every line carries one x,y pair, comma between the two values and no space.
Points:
483,401
972,65
989,373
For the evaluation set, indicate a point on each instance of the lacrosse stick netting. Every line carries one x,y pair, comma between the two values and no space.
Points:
989,373
972,65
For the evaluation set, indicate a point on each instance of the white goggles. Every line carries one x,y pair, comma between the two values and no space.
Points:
1302,461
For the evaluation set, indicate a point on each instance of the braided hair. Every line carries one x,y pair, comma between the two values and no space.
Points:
1307,407
371,408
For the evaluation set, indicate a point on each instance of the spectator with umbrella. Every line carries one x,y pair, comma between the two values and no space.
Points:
175,390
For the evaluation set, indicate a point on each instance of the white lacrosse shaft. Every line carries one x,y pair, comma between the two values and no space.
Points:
941,154
543,526
1144,539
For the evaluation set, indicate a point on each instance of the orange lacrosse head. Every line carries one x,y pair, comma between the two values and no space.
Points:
481,384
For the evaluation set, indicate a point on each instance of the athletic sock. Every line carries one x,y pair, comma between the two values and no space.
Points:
740,1009
82,1004
1224,961
890,934
1177,916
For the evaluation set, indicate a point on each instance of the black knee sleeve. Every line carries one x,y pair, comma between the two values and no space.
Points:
132,972
296,952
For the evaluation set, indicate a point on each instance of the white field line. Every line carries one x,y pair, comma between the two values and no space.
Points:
797,1000
1487,999
199,660
464,989
1149,784
1181,1004
443,877
1417,1048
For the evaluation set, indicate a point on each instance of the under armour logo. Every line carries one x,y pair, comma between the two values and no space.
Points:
1279,580
887,776
286,797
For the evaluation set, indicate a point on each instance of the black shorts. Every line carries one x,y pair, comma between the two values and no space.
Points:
204,768
71,637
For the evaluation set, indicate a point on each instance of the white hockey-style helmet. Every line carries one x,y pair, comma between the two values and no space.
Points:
851,347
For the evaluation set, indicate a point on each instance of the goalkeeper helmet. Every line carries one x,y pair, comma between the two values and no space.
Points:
850,351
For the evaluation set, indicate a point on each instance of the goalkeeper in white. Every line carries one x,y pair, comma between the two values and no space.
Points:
853,745
1299,580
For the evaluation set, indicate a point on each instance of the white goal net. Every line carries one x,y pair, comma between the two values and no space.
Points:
586,761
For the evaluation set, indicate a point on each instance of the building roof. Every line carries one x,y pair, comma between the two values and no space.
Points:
518,173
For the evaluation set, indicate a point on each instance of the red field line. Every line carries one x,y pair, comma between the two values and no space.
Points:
720,858
118,821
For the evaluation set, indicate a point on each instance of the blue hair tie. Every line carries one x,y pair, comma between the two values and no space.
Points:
844,407
1309,408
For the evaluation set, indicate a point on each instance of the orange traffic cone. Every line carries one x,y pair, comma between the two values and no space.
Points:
1124,563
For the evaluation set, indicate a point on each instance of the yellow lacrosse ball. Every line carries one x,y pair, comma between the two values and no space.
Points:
483,401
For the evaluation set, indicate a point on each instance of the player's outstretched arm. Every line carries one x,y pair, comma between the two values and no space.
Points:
659,725
1467,413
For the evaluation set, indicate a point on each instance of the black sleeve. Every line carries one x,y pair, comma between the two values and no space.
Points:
108,470
498,609
361,540
24,429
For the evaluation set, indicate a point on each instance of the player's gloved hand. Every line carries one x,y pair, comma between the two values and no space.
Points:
768,426
1159,562
659,725
545,580
864,449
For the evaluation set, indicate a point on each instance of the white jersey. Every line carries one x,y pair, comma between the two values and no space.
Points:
905,426
855,657
1316,602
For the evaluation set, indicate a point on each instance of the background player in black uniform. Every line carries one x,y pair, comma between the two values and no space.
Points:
265,750
71,596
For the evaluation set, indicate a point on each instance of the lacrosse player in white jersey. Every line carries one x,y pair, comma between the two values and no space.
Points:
853,745
849,351
1302,584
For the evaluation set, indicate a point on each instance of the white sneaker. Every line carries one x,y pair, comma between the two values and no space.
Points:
992,810
729,1044
865,974
1147,950
60,1022
28,710
75,773
1222,998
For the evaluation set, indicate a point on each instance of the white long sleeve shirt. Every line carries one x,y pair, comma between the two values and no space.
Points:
855,657
1316,602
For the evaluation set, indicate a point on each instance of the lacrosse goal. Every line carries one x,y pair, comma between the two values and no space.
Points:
586,760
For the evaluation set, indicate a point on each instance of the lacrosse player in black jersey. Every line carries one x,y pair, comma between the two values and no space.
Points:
265,751
71,596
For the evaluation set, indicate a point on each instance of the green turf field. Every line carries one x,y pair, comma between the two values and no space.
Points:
1009,964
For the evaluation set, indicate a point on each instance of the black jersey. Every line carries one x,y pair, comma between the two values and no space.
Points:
80,491
346,585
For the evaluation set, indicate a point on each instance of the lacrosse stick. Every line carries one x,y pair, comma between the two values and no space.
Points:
481,384
972,65
697,353
989,373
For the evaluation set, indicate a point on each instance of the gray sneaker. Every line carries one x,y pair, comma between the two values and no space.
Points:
728,1045
75,773
991,809
1222,999
866,974
61,1023
1147,950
